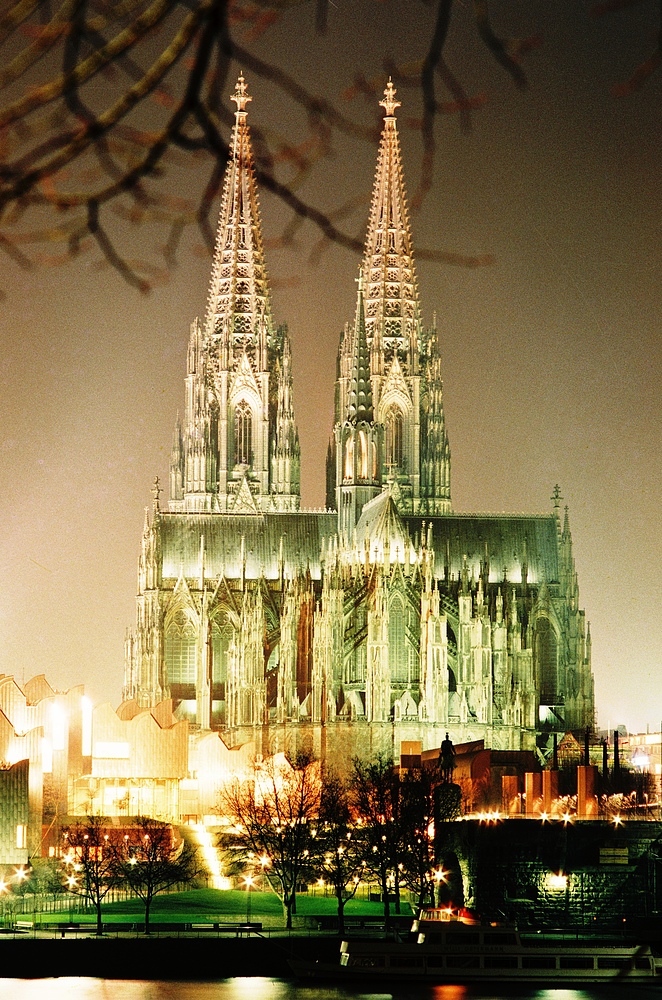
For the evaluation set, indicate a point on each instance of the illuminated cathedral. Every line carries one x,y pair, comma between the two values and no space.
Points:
386,617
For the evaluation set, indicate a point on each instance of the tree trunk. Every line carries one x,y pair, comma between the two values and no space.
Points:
383,878
341,912
148,903
99,922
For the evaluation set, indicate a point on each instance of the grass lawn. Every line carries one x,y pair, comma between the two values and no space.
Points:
225,905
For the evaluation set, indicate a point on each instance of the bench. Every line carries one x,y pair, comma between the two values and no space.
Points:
239,929
24,925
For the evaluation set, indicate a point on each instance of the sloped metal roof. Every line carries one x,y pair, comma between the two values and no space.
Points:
508,540
301,534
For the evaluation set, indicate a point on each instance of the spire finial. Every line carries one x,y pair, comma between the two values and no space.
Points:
240,97
389,103
157,489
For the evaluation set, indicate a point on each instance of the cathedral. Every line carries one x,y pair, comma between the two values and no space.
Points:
386,617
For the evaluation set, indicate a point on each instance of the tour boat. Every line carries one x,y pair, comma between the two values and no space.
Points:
449,948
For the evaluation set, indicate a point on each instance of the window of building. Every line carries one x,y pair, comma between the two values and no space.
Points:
546,660
363,455
397,645
243,434
394,433
349,459
180,649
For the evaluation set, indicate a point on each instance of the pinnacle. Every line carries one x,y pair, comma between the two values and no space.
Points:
391,293
238,306
360,389
240,97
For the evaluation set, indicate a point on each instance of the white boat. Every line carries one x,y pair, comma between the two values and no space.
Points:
451,949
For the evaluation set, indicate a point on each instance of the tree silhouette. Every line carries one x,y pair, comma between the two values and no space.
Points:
275,813
151,861
107,99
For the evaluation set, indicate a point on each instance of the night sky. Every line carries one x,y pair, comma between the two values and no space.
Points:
552,354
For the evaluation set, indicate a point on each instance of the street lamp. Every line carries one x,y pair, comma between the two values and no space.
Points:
248,882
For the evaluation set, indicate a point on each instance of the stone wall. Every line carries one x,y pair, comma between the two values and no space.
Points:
582,874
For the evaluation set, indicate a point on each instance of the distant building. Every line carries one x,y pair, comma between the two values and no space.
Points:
385,617
14,813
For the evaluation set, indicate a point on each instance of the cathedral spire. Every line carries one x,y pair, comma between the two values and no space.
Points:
360,389
238,307
391,293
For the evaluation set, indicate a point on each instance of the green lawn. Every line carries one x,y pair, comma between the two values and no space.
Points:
200,905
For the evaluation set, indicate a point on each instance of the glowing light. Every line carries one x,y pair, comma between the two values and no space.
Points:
439,875
210,855
557,880
618,820
20,874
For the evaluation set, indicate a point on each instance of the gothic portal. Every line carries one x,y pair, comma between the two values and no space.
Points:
386,617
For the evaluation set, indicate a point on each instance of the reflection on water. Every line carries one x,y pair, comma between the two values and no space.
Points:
259,988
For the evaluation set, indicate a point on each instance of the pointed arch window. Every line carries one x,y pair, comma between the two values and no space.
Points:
180,650
394,436
349,459
243,434
397,643
363,455
546,662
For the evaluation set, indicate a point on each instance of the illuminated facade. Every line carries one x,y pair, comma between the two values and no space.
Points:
387,616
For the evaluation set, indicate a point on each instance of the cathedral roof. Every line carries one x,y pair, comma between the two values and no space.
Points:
505,541
298,535
382,528
238,301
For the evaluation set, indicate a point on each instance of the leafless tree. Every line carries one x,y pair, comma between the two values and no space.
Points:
274,814
91,852
152,860
376,802
338,848
108,97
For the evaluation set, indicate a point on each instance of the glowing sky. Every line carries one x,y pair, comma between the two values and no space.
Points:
552,355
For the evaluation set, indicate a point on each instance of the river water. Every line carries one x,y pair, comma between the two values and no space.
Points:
69,988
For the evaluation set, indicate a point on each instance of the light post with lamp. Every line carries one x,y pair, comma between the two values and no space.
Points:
4,889
439,876
249,881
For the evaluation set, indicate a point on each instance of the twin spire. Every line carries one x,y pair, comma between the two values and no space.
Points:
238,305
239,433
391,294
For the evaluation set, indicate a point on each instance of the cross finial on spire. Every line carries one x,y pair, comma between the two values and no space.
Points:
389,103
240,97
157,489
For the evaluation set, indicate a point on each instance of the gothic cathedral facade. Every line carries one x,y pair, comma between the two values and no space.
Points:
386,617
